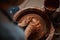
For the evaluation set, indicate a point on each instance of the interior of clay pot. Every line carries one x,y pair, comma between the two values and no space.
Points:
38,24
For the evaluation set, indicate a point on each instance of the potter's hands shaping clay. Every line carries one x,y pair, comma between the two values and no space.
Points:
36,27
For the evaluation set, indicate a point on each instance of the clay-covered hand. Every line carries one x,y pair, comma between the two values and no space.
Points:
36,27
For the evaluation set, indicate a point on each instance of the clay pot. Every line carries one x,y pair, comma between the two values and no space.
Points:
36,24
